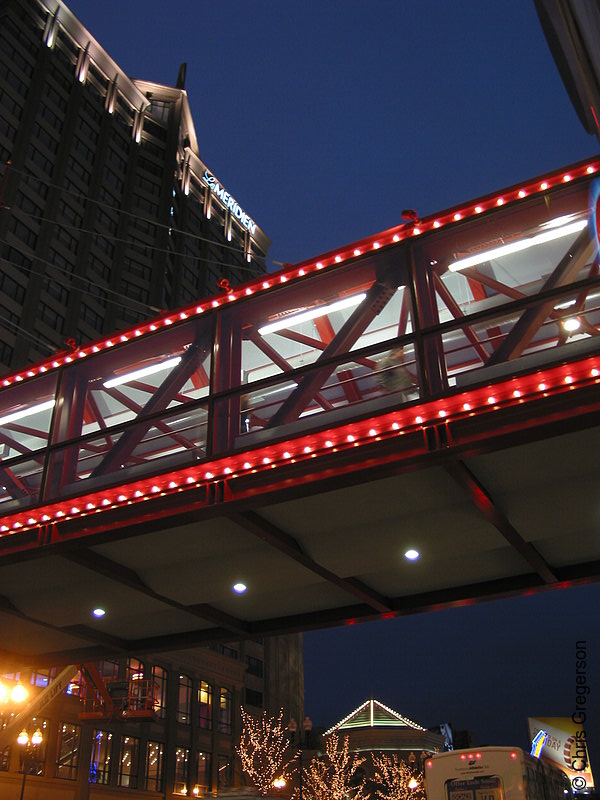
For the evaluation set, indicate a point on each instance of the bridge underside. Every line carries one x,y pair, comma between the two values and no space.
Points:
434,388
497,504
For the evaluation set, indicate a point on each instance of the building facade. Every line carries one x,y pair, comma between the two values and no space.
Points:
162,725
107,212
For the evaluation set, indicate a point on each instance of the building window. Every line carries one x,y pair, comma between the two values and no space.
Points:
205,705
159,691
4,758
63,235
109,670
22,232
203,771
100,762
253,698
182,757
91,317
43,677
67,756
154,766
184,706
6,353
254,666
128,762
11,288
225,711
54,320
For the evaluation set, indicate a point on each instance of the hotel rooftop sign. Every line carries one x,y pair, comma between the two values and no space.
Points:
229,202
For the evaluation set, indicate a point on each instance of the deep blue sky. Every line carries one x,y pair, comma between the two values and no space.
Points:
325,119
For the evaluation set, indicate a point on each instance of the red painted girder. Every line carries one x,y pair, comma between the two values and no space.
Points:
377,298
532,318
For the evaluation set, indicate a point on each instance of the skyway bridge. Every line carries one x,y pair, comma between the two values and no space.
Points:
432,388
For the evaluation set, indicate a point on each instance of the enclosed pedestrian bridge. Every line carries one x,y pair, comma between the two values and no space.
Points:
433,388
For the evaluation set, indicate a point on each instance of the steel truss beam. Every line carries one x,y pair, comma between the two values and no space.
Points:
469,594
484,502
532,318
275,537
159,401
128,577
377,298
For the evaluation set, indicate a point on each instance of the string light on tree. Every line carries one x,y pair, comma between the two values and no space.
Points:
396,779
263,751
334,775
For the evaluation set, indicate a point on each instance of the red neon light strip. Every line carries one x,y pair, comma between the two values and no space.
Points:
384,239
471,402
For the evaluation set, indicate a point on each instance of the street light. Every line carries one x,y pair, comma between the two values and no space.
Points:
11,696
29,753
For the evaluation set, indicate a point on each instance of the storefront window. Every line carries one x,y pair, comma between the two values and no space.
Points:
67,757
159,691
100,761
154,766
184,706
128,762
225,711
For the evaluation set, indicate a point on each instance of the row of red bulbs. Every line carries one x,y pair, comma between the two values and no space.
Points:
393,236
352,435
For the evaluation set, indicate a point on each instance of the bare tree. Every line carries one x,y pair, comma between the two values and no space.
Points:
334,776
398,780
263,751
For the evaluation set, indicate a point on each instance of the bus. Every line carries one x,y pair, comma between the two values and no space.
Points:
494,773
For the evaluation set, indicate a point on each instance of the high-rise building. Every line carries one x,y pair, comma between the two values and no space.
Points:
107,212
109,215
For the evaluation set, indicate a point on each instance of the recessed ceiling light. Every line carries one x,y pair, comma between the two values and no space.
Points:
240,588
98,612
412,555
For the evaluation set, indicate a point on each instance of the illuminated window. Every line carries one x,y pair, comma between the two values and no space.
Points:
128,762
205,705
67,756
100,761
135,669
184,706
154,766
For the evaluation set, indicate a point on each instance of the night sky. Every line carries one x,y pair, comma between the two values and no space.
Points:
324,120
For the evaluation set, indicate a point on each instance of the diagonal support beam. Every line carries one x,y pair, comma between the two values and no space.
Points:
275,537
128,577
484,502
377,298
456,312
533,317
158,402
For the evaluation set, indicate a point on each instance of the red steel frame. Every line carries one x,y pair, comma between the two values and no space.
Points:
438,425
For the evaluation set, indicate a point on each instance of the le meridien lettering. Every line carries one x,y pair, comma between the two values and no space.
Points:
229,202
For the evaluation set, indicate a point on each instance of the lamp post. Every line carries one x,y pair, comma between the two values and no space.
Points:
29,753
304,733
